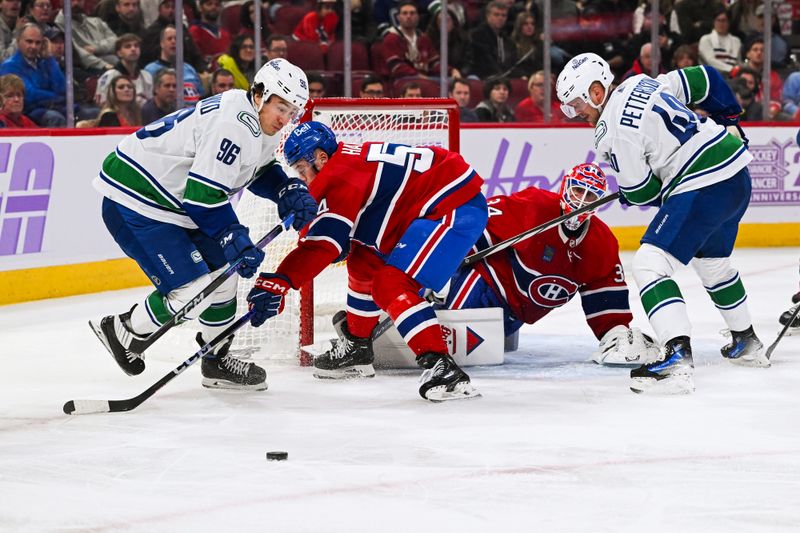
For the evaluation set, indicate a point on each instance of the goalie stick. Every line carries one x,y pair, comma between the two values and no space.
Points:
386,323
783,332
141,346
85,407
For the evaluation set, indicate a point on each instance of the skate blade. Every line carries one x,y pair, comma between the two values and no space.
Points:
792,332
673,385
351,372
104,341
758,361
462,391
211,383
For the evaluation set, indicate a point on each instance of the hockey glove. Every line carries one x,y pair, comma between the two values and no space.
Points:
294,198
236,245
266,297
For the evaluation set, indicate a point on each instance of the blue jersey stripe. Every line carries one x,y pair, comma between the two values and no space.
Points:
602,301
389,179
212,183
334,228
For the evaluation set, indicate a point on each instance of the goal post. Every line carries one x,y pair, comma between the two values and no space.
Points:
308,312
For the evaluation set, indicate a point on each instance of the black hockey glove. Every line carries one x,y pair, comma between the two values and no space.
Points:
236,245
294,198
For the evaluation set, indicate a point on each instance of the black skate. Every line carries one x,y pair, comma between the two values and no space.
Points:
792,317
443,379
745,349
350,356
672,374
223,371
123,344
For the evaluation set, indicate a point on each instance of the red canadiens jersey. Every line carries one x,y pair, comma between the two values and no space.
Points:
371,193
545,271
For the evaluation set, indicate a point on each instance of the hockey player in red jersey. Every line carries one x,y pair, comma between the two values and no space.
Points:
404,217
543,272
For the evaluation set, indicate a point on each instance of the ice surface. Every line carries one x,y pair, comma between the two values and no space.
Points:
555,443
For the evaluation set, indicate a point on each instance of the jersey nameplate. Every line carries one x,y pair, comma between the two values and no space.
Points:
251,122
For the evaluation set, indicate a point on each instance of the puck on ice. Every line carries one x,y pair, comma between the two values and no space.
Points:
277,456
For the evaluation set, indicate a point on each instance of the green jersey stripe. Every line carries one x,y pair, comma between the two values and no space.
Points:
203,194
698,83
127,177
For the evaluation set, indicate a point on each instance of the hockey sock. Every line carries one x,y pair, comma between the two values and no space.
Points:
661,298
362,313
724,286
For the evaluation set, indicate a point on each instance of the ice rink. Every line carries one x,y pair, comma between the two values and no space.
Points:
556,443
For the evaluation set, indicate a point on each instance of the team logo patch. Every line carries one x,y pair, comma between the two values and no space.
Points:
196,257
473,340
156,280
251,122
551,291
600,132
548,253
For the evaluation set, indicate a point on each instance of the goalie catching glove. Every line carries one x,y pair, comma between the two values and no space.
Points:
626,346
266,297
295,198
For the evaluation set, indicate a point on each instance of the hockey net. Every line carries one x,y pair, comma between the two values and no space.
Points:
308,312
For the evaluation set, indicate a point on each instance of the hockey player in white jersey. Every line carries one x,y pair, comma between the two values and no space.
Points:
695,171
167,192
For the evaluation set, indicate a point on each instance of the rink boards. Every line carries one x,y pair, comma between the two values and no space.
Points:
53,242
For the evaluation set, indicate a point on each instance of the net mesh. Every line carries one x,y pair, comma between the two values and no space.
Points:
279,337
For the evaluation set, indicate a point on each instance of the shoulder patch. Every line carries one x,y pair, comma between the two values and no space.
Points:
251,121
599,132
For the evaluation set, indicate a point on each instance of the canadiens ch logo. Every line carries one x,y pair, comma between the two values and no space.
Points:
551,291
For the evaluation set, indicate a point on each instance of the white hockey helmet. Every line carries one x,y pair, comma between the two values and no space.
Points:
281,78
577,77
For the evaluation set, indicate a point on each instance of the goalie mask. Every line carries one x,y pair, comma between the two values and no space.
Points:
584,184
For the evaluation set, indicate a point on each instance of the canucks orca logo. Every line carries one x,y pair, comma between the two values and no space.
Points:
551,291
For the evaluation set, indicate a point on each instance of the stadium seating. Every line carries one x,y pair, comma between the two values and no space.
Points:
287,17
359,56
306,55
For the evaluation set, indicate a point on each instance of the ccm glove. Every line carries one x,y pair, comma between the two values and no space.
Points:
266,297
236,245
295,198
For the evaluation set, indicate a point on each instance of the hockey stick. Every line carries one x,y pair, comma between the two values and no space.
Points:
783,332
141,346
477,256
384,325
85,407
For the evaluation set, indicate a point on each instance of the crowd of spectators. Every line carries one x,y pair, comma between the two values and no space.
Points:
124,52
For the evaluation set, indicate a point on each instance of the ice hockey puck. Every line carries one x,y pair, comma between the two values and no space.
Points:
277,456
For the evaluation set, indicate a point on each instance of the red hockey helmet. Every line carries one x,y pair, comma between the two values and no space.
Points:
584,184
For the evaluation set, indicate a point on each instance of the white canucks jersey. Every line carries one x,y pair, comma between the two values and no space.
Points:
657,146
200,156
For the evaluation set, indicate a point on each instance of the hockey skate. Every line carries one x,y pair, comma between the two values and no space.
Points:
223,371
745,349
792,317
672,374
349,357
123,344
443,379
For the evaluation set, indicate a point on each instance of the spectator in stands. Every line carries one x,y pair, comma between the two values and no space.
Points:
165,96
240,61
247,18
411,89
406,50
9,24
457,37
277,46
221,80
494,107
720,49
319,25
211,38
684,56
459,91
491,51
384,13
643,64
754,58
40,12
528,43
780,49
371,87
695,18
121,108
92,39
45,85
316,85
128,50
643,18
122,16
791,96
151,46
12,92
743,17
192,85
751,110
531,109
